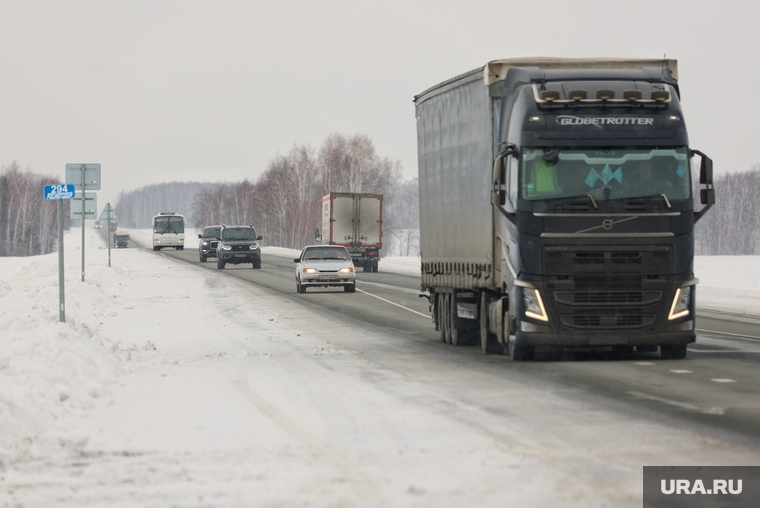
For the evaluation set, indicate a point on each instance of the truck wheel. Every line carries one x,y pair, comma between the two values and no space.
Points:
257,265
673,351
488,343
203,258
517,352
156,248
521,352
219,264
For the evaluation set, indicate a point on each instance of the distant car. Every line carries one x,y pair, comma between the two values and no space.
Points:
207,245
238,244
325,266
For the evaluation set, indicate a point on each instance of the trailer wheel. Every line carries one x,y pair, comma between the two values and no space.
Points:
459,336
444,323
439,305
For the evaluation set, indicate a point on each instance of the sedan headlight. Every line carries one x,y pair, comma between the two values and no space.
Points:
309,270
681,304
346,270
534,307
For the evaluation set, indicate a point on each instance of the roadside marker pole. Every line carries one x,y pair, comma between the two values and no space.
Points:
60,192
83,220
61,293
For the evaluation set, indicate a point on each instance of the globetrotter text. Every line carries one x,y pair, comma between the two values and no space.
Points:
599,121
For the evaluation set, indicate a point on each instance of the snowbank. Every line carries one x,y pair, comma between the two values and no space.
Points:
50,371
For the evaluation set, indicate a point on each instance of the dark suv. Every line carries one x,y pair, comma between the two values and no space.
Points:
207,245
238,244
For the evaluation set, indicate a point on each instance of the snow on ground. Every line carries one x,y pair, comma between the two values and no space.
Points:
140,318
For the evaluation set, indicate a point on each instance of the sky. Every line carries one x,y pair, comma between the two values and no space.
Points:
170,385
161,91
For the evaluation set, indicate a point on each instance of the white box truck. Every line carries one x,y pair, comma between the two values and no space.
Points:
355,221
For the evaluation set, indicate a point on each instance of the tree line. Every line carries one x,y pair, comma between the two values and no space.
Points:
28,222
284,203
732,226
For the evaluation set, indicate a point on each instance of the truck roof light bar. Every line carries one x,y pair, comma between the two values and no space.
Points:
549,95
581,96
605,95
577,95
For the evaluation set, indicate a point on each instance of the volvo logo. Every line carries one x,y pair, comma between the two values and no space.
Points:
607,224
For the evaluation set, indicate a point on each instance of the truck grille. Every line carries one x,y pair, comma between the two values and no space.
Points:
607,287
608,320
607,297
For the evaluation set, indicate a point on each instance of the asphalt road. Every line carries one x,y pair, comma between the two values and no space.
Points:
712,392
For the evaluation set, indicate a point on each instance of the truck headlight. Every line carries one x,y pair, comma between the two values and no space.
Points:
681,303
253,246
534,307
226,247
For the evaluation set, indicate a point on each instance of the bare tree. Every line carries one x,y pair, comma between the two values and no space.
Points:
28,223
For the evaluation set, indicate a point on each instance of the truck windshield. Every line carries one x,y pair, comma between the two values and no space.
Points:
605,174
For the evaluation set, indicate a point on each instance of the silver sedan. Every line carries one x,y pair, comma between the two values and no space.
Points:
325,266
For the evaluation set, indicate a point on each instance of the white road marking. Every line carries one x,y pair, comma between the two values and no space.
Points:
723,351
681,371
645,363
682,405
426,316
723,380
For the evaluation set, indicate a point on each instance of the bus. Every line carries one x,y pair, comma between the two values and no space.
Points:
169,231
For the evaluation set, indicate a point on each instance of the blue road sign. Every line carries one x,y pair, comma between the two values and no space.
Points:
60,191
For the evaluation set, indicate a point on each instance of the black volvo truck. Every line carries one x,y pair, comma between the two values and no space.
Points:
557,206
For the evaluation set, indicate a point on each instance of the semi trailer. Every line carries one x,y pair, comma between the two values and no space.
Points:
556,206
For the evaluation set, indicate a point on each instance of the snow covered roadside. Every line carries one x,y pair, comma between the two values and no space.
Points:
728,284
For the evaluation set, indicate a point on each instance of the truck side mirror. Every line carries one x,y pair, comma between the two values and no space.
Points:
499,182
706,195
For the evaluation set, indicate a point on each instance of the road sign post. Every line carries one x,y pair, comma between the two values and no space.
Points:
60,192
84,177
107,215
